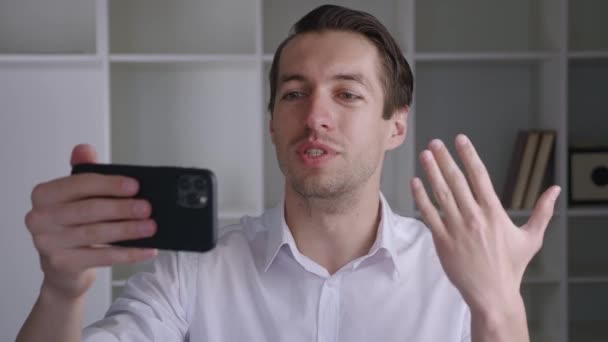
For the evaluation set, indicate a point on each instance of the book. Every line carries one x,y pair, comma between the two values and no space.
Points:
539,170
516,159
525,168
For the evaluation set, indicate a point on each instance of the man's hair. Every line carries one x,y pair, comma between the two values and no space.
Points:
397,78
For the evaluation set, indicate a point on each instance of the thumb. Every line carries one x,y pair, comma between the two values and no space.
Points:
82,154
543,211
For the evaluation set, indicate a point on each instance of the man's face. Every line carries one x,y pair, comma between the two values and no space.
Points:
327,123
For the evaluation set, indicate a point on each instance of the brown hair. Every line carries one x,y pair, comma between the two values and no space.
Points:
397,75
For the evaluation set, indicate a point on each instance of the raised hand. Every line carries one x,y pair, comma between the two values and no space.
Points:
74,218
482,251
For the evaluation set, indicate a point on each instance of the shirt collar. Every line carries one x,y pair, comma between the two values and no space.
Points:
279,234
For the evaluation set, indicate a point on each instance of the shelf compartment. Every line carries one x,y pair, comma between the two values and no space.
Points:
587,252
192,115
587,114
588,25
588,317
543,310
469,98
47,27
281,15
496,25
182,26
548,263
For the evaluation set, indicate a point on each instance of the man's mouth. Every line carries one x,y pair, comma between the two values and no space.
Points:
315,152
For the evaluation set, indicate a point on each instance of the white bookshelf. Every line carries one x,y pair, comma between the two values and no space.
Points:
185,83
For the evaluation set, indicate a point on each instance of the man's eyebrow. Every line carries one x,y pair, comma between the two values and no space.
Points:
291,77
353,77
359,78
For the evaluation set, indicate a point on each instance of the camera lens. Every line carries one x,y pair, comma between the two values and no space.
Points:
200,184
193,199
184,183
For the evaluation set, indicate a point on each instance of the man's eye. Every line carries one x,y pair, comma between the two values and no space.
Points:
292,95
348,96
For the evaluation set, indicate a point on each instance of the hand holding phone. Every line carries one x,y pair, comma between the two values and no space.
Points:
183,201
74,219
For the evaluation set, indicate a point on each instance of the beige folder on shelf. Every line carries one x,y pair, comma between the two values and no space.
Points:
525,168
541,164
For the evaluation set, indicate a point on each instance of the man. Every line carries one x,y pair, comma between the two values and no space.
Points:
330,263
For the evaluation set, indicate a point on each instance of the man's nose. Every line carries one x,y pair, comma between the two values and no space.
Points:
320,116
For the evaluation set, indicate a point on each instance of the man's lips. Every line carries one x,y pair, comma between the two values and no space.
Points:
313,160
309,145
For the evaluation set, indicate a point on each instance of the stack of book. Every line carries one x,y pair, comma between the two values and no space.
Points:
530,169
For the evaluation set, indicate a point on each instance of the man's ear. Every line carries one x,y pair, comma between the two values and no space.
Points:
398,128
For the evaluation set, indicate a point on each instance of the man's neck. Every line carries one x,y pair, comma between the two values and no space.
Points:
335,231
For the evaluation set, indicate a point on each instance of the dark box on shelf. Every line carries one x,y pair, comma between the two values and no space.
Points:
588,176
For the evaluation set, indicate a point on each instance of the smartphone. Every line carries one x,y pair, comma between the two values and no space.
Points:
183,200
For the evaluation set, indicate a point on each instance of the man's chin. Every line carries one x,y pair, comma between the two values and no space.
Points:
316,188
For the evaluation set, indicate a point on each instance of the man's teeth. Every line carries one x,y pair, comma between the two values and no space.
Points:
315,152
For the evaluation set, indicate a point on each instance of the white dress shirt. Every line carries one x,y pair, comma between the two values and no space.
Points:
256,286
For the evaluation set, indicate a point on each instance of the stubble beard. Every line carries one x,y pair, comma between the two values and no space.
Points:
333,184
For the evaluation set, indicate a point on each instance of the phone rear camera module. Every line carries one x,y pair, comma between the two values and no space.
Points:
192,191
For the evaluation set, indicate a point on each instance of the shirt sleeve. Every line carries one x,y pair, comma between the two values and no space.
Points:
151,307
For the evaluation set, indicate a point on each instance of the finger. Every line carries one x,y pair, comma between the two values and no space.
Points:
80,186
75,260
101,209
543,211
105,233
427,209
455,179
82,154
441,191
479,177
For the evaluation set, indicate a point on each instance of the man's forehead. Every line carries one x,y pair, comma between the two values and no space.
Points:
331,55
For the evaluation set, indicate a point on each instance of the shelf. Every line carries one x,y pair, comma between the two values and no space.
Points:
588,302
587,25
543,310
541,280
49,59
182,26
587,252
489,25
280,15
588,212
40,27
589,331
183,58
472,107
588,55
182,114
587,102
588,280
484,56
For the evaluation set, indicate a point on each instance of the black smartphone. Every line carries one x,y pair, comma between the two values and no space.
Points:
183,200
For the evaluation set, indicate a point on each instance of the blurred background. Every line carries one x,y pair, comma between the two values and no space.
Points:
184,83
